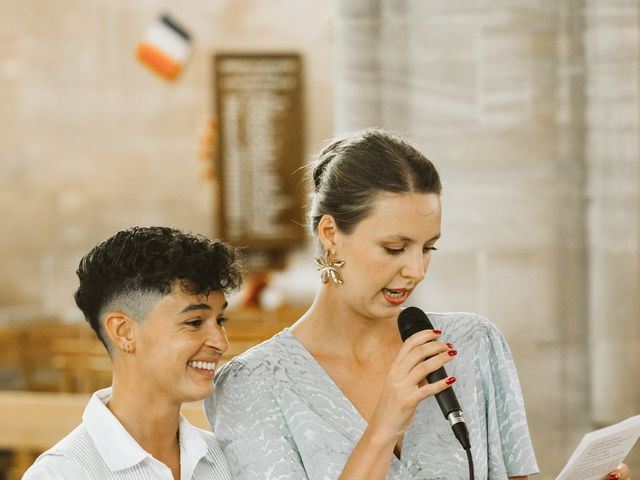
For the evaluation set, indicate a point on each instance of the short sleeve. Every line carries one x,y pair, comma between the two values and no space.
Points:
510,452
54,467
250,427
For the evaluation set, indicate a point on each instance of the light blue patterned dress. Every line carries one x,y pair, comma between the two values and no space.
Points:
278,415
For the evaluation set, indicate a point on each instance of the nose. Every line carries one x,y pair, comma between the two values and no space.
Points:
217,338
415,267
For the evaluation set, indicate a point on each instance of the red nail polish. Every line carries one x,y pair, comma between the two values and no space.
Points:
614,476
437,332
450,380
450,345
452,353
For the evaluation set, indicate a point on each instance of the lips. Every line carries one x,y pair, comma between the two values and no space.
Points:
396,296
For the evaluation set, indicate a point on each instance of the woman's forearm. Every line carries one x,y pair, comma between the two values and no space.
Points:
370,458
403,390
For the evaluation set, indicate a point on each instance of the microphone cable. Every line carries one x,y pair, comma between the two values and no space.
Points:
459,427
470,462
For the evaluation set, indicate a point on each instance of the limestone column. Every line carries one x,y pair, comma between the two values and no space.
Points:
357,78
613,154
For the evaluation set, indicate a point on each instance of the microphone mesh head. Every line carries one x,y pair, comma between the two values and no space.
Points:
412,320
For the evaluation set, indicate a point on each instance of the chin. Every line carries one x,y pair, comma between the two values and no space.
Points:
384,312
393,313
195,393
196,397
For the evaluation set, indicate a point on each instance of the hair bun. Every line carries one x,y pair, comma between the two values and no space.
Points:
318,171
327,154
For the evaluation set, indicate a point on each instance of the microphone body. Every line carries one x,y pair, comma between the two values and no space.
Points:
412,320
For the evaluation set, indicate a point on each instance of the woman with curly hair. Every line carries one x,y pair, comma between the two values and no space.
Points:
155,298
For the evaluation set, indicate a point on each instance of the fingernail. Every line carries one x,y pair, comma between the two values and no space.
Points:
450,380
614,476
450,345
437,332
452,353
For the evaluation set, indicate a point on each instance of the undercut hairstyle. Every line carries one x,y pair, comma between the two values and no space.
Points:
351,171
135,268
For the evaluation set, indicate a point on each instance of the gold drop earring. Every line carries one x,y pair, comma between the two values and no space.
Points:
329,268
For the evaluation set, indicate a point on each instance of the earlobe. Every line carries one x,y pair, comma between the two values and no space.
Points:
327,264
118,327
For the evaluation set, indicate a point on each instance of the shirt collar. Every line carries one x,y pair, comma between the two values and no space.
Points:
115,445
120,450
192,446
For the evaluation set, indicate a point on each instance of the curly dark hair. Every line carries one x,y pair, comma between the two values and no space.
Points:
143,263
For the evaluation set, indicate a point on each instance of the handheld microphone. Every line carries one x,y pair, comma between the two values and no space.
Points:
410,321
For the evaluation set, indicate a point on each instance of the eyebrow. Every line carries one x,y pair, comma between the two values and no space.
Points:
404,239
200,306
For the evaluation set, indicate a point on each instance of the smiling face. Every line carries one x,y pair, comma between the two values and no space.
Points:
388,253
179,344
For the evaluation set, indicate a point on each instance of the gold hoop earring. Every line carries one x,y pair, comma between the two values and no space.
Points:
329,268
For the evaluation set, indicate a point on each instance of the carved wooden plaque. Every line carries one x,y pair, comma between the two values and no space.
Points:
260,149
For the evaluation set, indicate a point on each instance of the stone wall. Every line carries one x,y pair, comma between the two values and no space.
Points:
613,158
92,142
530,111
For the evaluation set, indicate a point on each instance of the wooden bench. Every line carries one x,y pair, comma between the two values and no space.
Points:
83,364
35,342
249,326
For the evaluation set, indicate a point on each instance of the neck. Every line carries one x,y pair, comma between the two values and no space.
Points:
150,421
331,327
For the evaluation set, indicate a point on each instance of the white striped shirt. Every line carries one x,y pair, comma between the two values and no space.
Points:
100,448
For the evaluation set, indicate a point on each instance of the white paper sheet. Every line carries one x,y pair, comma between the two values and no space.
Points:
602,451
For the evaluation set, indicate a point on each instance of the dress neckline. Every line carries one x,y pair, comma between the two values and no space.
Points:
362,422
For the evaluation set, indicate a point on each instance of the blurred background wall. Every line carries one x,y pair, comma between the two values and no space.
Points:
93,142
529,108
